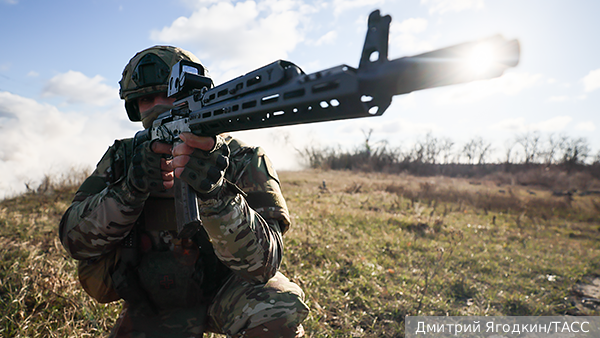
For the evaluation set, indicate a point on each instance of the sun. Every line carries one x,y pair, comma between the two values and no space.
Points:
481,58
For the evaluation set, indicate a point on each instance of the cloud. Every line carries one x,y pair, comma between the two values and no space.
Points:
557,123
444,6
39,139
513,125
341,6
509,84
75,87
411,26
403,36
591,81
327,38
519,125
234,38
586,126
560,98
200,3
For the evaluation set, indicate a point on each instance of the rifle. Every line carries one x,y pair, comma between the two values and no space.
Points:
281,94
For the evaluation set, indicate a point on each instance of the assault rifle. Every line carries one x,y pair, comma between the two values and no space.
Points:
281,94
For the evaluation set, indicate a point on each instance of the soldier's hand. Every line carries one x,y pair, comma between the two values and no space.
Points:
201,162
150,170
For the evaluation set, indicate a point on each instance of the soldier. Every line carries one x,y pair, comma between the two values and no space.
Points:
121,227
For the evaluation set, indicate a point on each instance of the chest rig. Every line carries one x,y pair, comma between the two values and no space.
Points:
159,271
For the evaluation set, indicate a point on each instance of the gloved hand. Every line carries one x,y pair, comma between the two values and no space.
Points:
149,171
201,162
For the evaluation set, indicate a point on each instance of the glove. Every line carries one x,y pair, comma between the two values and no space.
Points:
144,173
205,171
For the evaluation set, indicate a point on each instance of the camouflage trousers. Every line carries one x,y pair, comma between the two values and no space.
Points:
240,309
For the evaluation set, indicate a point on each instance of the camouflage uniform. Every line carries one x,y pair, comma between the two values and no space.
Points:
225,279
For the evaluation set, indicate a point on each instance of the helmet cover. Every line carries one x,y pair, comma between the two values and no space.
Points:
148,73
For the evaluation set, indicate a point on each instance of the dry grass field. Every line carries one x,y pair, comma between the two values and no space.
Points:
368,249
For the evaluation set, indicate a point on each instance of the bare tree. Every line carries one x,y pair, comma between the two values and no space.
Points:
446,145
426,150
509,146
596,159
416,154
469,150
551,148
477,150
530,142
432,150
574,151
367,145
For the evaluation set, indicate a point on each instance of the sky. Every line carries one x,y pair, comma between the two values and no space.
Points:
61,61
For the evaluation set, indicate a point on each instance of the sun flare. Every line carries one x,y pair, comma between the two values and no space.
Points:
481,58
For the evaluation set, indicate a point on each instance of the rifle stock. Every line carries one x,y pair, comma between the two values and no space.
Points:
281,94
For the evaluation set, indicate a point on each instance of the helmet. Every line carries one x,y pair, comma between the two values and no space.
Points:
148,73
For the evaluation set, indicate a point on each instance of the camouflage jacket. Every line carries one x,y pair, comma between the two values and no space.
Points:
244,231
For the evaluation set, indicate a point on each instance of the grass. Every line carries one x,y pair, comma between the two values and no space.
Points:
368,249
39,292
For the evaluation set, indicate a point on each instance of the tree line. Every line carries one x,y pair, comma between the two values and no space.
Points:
432,155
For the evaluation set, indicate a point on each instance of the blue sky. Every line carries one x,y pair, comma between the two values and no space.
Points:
61,62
